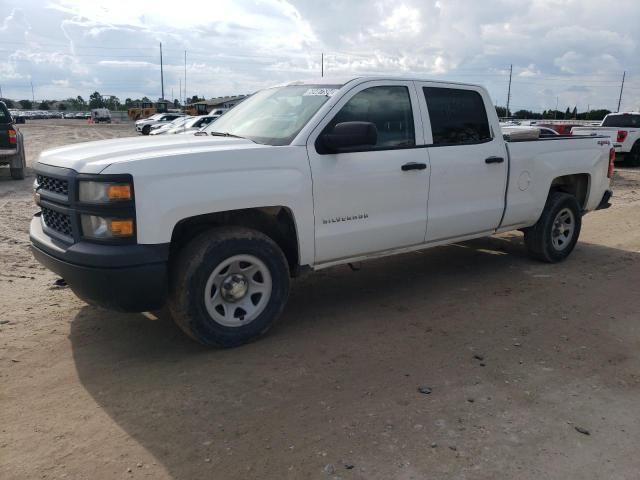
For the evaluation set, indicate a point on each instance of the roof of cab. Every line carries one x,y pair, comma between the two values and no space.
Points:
343,80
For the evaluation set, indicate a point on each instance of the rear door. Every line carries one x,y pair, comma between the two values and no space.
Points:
468,162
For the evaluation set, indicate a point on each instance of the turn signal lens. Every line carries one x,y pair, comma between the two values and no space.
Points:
101,228
119,192
122,228
612,159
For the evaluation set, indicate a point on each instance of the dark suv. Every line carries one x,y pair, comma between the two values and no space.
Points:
11,144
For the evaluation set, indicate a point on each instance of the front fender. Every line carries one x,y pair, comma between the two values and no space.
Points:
170,189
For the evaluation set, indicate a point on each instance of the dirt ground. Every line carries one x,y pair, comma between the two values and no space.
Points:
520,358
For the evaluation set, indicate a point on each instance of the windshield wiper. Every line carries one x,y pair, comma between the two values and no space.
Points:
224,134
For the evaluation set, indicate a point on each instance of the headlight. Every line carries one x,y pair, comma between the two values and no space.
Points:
102,228
104,192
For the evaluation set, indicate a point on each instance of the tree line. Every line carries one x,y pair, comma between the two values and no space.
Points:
96,100
553,114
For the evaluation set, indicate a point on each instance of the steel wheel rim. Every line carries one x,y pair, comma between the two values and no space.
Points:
564,226
225,297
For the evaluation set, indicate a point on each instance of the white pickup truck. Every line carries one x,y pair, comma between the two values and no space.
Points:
301,177
624,131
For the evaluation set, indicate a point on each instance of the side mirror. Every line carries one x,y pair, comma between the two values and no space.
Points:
348,136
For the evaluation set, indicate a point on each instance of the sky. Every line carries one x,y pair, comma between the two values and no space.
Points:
564,52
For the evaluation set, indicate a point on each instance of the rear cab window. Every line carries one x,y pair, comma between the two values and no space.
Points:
623,121
458,117
5,116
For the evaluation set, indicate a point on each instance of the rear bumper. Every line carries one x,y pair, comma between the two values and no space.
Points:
120,277
8,152
604,203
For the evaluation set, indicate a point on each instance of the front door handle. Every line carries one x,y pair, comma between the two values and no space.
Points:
494,160
413,166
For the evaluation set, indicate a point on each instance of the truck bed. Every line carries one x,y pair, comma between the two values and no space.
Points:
533,164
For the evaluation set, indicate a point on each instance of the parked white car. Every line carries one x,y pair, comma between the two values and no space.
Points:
296,178
624,131
161,128
195,124
144,126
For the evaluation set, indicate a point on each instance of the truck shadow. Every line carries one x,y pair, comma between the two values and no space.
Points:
347,357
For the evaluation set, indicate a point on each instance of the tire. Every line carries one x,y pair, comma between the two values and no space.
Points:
146,129
17,171
199,278
545,241
632,159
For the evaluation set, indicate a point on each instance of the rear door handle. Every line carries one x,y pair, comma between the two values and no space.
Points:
413,166
494,160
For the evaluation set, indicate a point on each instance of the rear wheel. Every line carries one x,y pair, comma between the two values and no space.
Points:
633,157
555,234
228,286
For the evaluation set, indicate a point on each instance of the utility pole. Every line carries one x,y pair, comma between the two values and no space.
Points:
180,97
0,91
621,88
185,77
33,97
509,90
161,72
322,65
555,113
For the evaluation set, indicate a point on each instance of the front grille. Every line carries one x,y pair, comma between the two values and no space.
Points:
54,185
57,221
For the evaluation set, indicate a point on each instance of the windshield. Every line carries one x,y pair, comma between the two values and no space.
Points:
625,120
273,116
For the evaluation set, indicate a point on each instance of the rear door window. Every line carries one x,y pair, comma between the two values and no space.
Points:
458,117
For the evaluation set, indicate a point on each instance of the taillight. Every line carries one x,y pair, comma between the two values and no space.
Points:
13,136
622,134
612,159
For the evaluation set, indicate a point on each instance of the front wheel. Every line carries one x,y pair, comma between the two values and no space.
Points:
146,129
556,233
228,286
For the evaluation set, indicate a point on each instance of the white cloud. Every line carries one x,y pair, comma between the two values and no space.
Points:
71,47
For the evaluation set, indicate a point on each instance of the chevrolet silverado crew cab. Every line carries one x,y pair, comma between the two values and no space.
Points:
301,177
624,132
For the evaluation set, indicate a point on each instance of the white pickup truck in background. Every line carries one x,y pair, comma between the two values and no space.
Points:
301,177
624,131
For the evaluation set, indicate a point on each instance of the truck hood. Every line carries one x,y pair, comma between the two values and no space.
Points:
94,157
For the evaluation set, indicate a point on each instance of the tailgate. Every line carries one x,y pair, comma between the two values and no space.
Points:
595,132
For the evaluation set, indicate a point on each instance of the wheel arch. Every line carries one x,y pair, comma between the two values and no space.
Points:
277,222
576,184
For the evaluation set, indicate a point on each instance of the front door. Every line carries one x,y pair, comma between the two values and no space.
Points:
365,201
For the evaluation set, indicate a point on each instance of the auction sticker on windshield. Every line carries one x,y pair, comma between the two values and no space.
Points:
321,92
